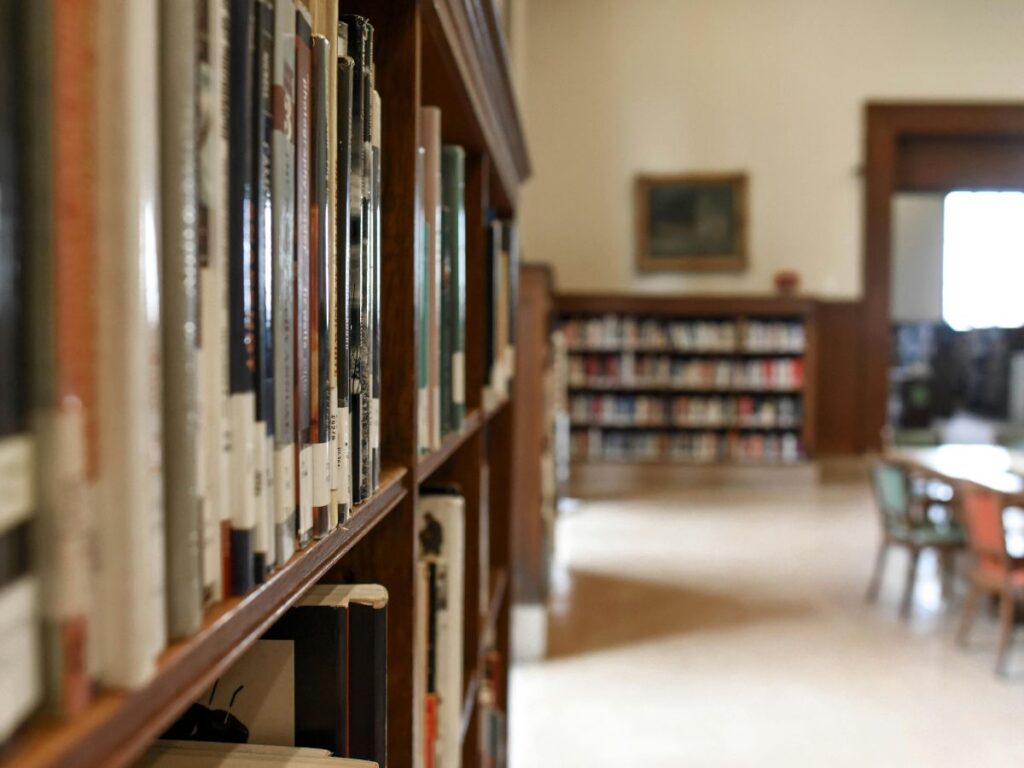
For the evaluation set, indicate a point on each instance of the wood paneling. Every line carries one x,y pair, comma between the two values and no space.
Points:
683,304
942,164
837,412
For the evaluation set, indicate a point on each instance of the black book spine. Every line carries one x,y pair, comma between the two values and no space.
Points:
344,276
320,635
303,137
263,285
242,325
368,682
318,289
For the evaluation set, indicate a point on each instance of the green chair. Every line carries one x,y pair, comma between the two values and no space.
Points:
905,522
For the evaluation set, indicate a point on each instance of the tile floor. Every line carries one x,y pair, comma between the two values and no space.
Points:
728,628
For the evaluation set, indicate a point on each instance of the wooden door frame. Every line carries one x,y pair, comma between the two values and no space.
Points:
887,125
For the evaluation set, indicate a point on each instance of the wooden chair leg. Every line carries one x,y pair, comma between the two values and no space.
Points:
947,563
970,610
1006,611
876,577
914,555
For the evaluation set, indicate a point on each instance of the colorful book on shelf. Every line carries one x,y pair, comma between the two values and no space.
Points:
179,322
421,304
430,123
283,158
343,238
453,288
375,285
440,527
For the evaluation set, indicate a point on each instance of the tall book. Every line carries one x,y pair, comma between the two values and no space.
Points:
441,526
422,312
212,258
20,648
375,297
283,309
453,287
179,286
342,417
58,107
242,269
430,122
360,44
130,547
263,288
510,245
490,395
325,24
319,301
303,181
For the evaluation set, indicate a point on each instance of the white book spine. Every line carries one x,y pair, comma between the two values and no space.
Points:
130,537
344,470
261,532
19,653
243,461
305,493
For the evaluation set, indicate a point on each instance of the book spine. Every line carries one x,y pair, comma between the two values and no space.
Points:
325,24
179,321
375,316
511,233
422,318
367,649
263,289
207,368
368,276
431,125
453,217
130,552
242,293
342,418
358,31
283,169
319,309
303,172
490,308
20,657
59,176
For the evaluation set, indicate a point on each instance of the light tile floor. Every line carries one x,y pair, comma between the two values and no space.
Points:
728,628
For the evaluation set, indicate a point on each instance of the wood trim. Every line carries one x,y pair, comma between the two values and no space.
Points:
684,304
645,262
887,125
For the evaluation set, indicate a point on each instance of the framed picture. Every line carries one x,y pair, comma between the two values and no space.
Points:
690,222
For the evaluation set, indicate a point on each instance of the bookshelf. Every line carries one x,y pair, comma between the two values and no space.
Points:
690,380
448,53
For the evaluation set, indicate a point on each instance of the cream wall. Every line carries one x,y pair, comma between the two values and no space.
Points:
772,87
917,257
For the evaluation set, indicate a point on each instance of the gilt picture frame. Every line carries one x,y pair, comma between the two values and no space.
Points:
691,222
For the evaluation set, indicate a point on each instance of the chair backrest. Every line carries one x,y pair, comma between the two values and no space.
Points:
892,494
983,516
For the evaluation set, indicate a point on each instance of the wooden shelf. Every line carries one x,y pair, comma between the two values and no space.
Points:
674,352
692,305
680,390
119,725
669,462
430,462
694,427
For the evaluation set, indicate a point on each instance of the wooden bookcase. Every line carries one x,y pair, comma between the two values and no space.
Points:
739,311
448,53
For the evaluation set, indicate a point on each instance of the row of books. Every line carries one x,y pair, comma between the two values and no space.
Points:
682,411
190,237
613,331
316,680
440,275
596,370
699,447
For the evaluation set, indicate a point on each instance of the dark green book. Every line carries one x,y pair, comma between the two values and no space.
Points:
453,288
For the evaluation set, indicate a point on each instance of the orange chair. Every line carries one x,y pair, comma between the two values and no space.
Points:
994,569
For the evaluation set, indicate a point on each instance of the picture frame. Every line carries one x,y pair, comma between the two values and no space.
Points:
691,222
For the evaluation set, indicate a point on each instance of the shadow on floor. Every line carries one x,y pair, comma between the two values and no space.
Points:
599,611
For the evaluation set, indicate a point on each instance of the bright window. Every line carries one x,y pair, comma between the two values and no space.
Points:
983,260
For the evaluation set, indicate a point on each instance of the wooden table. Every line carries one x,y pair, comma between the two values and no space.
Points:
990,466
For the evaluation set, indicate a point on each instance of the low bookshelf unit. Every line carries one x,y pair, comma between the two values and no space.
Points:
702,380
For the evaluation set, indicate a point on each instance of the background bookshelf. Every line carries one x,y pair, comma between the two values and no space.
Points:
689,380
450,54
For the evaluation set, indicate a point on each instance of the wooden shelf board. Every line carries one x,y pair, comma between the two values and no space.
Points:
119,725
429,462
672,351
690,305
495,409
684,390
663,462
694,427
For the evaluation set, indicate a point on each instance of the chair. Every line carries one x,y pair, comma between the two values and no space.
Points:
994,569
905,522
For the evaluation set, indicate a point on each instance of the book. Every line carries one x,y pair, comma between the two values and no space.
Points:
441,532
131,617
21,674
422,302
241,290
510,246
214,424
375,283
303,181
59,237
430,121
263,289
283,159
453,288
343,392
179,322
317,678
319,293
